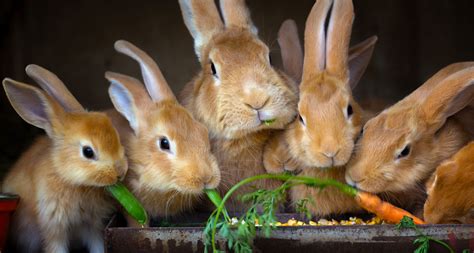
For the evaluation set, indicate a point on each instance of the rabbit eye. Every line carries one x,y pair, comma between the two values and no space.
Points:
164,144
405,152
301,119
270,59
213,69
88,152
350,111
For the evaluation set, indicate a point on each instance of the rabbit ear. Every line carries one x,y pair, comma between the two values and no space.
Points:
359,58
448,97
339,36
291,51
33,105
154,81
423,91
128,96
315,39
236,14
49,82
202,20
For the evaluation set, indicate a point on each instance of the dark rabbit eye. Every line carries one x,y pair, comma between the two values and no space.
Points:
213,69
270,59
349,110
88,152
301,119
164,144
405,152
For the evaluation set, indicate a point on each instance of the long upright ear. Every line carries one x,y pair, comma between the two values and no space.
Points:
49,82
339,36
154,81
448,97
33,105
359,58
291,51
128,97
236,13
202,20
315,39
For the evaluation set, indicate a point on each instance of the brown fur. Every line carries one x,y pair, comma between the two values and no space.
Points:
245,80
451,190
420,120
324,135
60,190
166,182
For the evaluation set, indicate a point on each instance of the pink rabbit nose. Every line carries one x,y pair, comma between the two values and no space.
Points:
209,183
257,104
330,154
121,168
353,182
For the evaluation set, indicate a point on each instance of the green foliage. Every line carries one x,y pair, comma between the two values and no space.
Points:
423,241
263,205
302,207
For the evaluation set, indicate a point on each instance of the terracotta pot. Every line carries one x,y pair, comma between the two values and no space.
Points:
8,204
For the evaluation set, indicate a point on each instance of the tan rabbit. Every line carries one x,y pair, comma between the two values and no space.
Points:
401,147
451,190
238,95
169,152
321,140
60,178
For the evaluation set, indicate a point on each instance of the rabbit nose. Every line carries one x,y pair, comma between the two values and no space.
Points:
330,154
209,182
257,104
353,182
121,168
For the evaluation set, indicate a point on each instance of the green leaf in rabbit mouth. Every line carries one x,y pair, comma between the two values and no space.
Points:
268,122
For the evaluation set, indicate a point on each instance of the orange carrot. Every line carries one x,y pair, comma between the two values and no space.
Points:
382,209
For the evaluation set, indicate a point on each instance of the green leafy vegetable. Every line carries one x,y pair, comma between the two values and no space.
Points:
240,235
133,207
269,122
423,241
302,207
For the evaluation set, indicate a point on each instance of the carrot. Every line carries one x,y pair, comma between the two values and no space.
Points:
382,209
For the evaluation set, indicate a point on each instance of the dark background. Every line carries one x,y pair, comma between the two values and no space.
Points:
75,40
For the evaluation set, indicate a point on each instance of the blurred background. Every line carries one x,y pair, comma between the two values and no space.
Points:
74,39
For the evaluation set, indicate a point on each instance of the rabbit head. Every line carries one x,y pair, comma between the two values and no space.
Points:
168,149
401,147
451,190
86,147
238,91
329,119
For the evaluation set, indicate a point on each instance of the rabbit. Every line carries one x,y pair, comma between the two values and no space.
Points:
451,190
60,178
400,148
238,95
320,142
170,159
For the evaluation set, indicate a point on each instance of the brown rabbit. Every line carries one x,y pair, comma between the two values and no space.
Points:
60,177
321,141
401,147
238,95
169,152
451,190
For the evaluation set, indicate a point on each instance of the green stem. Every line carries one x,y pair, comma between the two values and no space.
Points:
309,181
435,240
